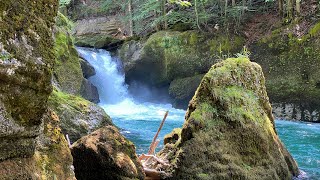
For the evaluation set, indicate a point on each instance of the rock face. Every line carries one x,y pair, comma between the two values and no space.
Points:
100,32
229,130
52,158
89,91
182,90
70,71
67,69
26,59
31,141
78,116
87,69
290,61
169,55
106,154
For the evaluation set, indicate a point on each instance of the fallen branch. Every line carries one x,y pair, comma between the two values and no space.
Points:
152,145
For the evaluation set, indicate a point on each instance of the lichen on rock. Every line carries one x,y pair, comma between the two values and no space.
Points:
229,131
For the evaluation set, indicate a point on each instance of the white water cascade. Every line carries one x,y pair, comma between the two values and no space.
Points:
139,120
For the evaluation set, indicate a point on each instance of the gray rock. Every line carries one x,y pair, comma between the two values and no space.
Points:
87,69
89,91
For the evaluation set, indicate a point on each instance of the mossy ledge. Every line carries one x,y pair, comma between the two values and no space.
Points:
229,130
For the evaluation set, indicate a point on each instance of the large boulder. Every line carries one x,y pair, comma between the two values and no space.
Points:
78,116
229,131
106,154
169,55
26,59
290,59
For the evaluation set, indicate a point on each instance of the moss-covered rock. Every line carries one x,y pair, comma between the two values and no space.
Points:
106,154
52,158
168,55
182,90
67,69
78,116
26,59
229,130
290,62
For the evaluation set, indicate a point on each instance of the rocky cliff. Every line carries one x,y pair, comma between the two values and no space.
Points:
26,62
229,130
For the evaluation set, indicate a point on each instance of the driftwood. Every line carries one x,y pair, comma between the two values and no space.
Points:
149,159
152,146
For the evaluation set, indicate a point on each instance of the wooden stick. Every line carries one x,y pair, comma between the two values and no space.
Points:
152,148
68,140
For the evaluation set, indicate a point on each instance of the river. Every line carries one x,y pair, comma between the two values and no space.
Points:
139,121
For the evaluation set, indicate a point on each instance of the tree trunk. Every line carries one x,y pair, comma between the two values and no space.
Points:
243,5
298,10
280,4
233,3
163,10
225,9
130,18
290,9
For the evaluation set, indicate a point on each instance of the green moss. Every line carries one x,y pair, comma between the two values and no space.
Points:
177,55
315,30
67,69
96,41
290,64
24,26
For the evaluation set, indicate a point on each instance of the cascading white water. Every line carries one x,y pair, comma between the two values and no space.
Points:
139,120
108,80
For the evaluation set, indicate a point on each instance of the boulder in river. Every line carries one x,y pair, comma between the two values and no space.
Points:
229,130
106,154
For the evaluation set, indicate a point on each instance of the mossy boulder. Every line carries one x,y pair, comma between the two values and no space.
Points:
182,90
78,116
229,130
290,62
169,55
67,69
106,154
26,59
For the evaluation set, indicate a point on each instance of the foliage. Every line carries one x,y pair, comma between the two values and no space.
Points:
64,2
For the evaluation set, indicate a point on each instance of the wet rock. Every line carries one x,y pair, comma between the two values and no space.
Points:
106,154
87,69
229,131
89,91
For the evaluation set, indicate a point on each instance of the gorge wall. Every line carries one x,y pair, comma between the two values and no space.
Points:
26,62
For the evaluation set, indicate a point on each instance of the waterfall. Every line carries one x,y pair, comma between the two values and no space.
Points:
139,120
108,80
